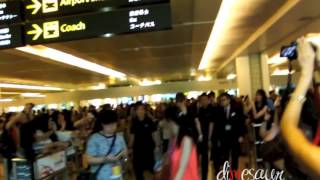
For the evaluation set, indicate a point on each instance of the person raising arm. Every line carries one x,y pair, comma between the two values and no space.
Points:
304,151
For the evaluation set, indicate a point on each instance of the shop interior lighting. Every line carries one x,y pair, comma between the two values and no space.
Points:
70,59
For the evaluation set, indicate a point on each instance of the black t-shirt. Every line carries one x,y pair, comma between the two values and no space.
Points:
143,131
27,132
206,116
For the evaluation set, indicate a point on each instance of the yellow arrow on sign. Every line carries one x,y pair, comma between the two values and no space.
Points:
35,6
36,32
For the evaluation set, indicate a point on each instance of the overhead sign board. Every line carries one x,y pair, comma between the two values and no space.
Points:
10,36
38,9
10,12
139,19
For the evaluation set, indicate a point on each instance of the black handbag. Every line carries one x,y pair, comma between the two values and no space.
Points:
87,174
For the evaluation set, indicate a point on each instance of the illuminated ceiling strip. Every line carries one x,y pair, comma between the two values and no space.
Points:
262,29
6,100
32,95
20,86
10,93
72,60
223,13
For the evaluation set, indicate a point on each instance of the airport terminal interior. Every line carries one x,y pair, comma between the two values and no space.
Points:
159,89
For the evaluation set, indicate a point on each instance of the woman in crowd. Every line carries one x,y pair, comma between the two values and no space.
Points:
184,160
105,148
65,121
259,110
143,142
306,153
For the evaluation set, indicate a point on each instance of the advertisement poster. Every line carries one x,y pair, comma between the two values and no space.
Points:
50,164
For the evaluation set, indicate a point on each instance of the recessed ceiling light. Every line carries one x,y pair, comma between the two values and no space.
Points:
108,35
70,59
231,76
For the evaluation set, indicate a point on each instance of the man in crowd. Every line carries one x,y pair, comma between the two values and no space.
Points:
232,129
205,117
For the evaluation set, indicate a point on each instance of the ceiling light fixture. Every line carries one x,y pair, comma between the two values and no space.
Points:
20,86
100,86
10,93
231,76
72,60
108,35
281,72
204,78
146,82
216,32
33,95
6,100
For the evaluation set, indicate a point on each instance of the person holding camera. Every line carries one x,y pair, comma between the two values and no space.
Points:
306,153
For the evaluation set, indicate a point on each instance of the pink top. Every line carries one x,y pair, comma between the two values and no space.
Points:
191,172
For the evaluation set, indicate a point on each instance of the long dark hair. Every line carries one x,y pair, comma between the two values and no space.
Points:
263,94
186,130
185,123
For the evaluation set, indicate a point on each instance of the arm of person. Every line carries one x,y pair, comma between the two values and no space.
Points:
124,151
307,154
14,120
303,150
43,136
81,122
259,114
211,126
198,126
102,160
185,156
156,139
131,142
93,157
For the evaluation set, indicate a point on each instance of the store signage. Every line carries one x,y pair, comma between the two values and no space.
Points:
38,9
140,19
10,12
10,36
50,164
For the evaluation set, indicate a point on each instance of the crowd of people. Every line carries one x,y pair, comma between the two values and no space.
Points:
173,140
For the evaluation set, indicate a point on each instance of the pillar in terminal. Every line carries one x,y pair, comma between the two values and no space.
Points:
252,73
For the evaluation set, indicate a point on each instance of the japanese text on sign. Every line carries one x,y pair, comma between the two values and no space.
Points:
134,21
